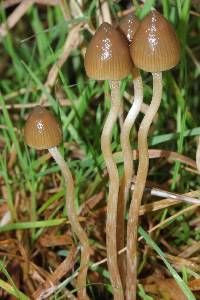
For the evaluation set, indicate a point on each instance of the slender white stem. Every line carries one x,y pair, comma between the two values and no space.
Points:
131,279
106,12
125,134
161,193
111,241
198,155
6,218
128,166
76,227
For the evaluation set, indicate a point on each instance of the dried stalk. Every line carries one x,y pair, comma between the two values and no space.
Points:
149,208
49,286
72,41
15,16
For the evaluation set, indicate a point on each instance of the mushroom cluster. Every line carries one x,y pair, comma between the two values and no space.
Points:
113,53
128,26
154,48
108,58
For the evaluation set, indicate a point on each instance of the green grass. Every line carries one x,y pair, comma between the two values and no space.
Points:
10,286
33,189
173,272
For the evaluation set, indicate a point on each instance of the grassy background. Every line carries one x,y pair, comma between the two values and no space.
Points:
31,185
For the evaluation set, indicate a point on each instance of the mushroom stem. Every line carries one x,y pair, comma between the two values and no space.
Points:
126,129
111,240
128,165
132,226
76,227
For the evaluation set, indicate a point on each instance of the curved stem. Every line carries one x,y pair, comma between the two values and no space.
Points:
121,114
128,163
131,279
125,133
111,243
128,166
76,227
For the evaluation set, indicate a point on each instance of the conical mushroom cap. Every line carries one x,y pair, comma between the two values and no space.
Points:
107,56
155,46
42,130
128,26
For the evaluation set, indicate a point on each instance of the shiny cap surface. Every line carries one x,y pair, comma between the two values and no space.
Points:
107,56
128,26
155,46
42,130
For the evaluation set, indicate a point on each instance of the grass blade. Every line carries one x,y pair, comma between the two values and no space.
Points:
173,272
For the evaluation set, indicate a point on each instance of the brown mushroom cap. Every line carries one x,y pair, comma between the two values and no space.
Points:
155,46
128,26
42,130
107,56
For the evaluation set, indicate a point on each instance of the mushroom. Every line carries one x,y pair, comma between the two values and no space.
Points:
155,48
41,132
128,26
108,58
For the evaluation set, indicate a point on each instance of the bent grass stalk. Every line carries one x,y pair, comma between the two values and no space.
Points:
131,279
76,227
111,239
127,154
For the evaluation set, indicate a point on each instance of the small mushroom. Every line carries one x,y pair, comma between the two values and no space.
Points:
128,26
108,58
41,132
155,48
